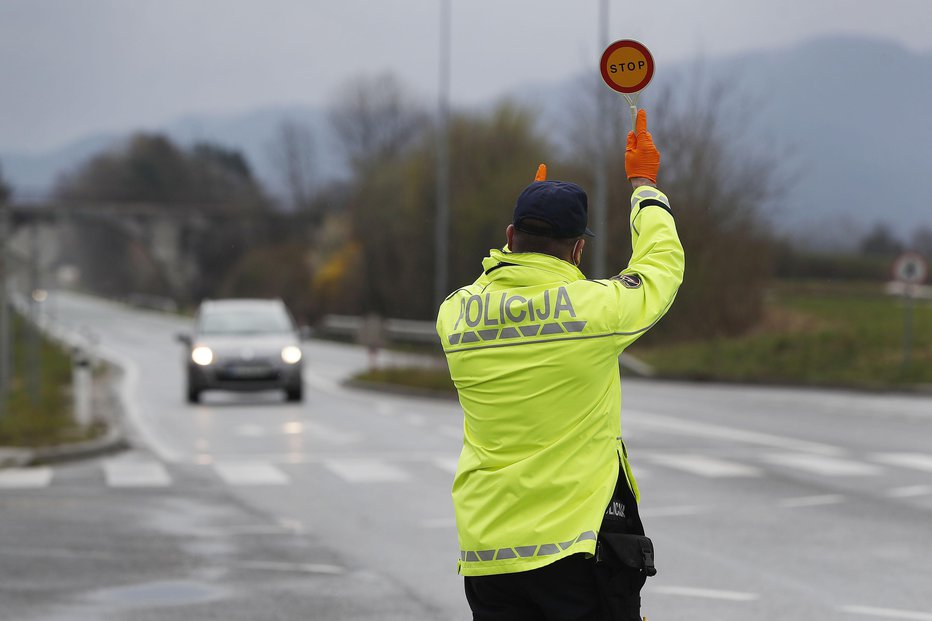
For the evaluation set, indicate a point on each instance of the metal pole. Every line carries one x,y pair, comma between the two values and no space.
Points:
907,326
34,341
5,357
442,232
600,204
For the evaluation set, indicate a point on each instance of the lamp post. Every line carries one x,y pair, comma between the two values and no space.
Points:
442,232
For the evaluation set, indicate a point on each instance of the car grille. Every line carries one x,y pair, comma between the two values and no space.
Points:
246,372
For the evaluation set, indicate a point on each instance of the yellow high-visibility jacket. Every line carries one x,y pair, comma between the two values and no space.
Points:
533,350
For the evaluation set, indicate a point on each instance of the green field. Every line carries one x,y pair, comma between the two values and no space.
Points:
818,334
813,335
43,418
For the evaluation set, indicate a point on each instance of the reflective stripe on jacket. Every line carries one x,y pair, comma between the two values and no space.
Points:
533,350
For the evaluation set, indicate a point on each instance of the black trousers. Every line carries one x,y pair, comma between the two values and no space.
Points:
571,589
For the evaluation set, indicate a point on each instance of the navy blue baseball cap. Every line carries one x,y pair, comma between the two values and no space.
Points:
556,208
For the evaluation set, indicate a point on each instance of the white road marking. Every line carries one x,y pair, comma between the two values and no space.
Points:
823,465
910,491
732,596
671,511
682,426
125,473
703,465
251,430
812,501
451,432
319,431
887,613
448,464
25,478
311,568
916,461
365,471
250,473
149,427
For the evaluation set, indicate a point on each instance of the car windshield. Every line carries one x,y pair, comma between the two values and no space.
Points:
244,320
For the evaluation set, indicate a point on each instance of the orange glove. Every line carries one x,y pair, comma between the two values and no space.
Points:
541,173
642,159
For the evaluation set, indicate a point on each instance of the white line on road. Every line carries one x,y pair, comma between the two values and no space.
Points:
365,471
910,491
732,596
124,473
319,431
822,465
25,478
682,426
705,466
448,464
250,473
671,511
916,461
812,501
146,427
887,613
311,568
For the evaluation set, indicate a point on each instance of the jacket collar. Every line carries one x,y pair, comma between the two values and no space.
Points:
500,267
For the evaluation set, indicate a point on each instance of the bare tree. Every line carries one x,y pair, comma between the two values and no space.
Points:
294,154
375,119
720,183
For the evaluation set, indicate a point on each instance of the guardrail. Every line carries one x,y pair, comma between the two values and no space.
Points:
395,330
425,332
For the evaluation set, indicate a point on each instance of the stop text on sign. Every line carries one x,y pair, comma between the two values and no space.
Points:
627,66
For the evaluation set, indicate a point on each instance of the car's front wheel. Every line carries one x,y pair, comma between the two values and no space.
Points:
193,391
295,393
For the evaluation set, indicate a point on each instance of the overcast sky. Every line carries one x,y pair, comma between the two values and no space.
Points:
73,67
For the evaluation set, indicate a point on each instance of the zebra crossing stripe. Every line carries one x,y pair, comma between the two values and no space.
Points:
705,466
123,473
448,464
25,478
824,465
250,473
365,471
887,613
683,591
916,461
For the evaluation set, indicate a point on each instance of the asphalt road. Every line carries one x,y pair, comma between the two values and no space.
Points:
763,503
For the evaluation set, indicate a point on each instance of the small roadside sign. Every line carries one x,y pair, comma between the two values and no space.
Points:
910,268
627,68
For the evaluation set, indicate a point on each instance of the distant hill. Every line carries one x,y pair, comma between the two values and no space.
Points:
854,114
856,155
33,176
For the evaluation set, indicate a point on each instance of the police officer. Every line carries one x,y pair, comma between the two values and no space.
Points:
545,501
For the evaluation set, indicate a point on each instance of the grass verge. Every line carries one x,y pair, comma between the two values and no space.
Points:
813,335
41,417
435,379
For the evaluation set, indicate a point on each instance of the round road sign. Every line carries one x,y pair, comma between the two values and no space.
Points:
911,268
627,66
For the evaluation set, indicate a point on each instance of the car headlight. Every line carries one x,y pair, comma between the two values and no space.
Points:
202,355
291,354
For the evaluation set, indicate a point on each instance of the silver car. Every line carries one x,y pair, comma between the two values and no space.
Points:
243,344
